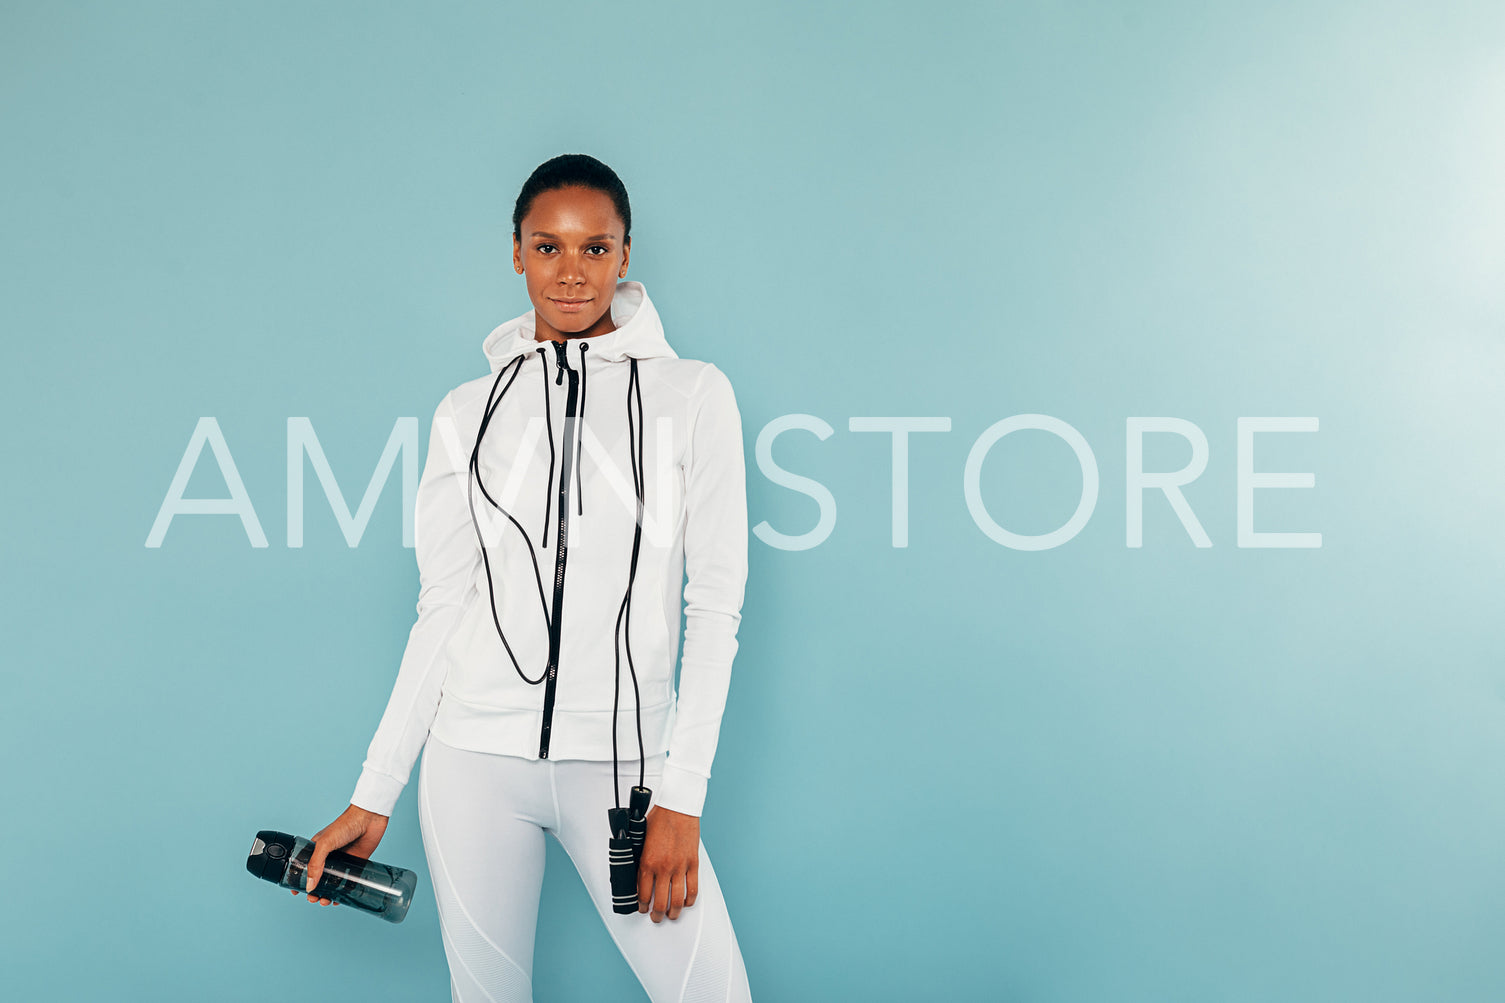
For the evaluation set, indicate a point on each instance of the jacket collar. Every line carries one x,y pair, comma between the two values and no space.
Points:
639,333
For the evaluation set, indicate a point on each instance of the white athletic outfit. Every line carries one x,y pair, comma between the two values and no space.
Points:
483,819
543,656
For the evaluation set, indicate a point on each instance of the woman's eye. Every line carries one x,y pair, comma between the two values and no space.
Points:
598,247
544,248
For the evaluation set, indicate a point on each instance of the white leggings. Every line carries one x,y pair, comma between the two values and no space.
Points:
483,819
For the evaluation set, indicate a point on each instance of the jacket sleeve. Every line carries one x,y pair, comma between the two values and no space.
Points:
716,569
445,544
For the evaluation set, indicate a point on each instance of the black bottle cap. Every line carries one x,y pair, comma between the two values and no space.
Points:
269,855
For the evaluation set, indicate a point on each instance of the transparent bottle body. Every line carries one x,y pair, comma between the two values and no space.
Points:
379,889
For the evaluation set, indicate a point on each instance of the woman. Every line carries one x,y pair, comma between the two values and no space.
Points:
549,614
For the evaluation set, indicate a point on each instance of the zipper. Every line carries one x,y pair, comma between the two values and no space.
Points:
561,543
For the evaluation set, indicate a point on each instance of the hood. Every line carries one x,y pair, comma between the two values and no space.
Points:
639,333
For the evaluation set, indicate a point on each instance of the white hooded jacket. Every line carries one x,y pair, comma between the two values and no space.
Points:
560,456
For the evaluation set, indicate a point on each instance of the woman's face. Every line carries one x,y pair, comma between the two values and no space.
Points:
571,255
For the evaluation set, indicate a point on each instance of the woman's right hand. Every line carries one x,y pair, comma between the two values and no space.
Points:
357,832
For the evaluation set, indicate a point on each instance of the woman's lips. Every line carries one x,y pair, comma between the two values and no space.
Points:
570,306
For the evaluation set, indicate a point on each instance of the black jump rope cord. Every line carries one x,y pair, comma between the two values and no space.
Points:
626,823
629,826
624,612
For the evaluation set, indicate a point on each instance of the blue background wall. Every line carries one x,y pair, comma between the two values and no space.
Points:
949,770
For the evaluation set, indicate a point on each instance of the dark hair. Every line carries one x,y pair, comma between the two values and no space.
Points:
572,170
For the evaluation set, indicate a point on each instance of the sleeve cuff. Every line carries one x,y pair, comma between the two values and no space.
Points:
377,792
681,791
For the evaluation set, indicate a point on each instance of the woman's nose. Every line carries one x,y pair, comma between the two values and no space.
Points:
571,268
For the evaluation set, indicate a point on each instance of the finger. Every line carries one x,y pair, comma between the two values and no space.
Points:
692,885
676,895
315,868
660,897
645,888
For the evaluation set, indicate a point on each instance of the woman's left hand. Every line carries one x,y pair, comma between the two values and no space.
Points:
668,872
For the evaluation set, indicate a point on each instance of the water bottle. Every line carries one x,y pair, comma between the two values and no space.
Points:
379,889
